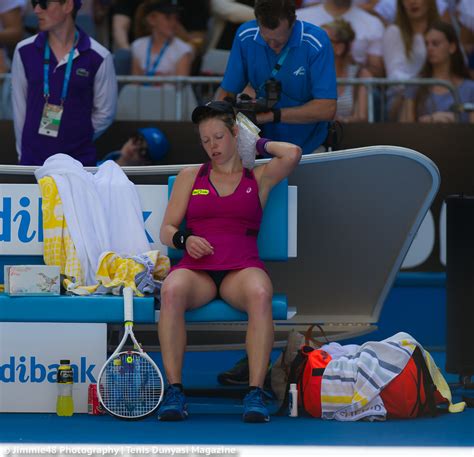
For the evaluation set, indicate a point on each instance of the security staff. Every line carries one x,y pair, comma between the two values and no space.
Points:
64,88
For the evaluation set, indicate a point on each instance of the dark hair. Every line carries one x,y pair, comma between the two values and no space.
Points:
74,9
457,66
226,118
141,26
404,24
270,13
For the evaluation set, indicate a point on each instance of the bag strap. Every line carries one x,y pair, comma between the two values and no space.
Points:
428,385
418,403
296,371
308,338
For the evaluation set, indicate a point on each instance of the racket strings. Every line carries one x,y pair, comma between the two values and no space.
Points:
130,385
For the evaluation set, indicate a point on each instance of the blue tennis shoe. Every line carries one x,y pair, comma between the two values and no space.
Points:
173,407
255,409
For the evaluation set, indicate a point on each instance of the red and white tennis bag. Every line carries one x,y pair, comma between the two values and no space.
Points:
411,394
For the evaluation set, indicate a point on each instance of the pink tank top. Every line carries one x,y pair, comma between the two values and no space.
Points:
229,223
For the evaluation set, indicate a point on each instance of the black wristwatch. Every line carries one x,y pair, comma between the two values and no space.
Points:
276,115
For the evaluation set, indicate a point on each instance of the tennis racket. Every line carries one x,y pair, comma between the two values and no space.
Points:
130,385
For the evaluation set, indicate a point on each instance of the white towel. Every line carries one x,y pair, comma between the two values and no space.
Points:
102,211
122,210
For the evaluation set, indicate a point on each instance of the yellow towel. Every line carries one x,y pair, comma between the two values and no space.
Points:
438,379
58,246
442,385
115,271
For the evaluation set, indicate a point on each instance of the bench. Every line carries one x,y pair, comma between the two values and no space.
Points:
277,241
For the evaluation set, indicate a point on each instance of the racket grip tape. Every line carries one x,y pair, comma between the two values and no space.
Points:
128,304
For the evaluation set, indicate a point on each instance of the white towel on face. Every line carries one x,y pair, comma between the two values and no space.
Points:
101,211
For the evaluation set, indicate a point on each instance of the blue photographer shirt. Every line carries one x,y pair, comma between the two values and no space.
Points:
307,73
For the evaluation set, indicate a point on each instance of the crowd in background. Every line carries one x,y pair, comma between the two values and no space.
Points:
396,39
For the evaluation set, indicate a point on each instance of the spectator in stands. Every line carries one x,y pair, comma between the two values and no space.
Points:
227,16
76,102
386,10
351,101
465,16
220,262
195,16
11,29
162,52
123,30
404,46
369,30
11,32
101,12
143,147
444,61
298,57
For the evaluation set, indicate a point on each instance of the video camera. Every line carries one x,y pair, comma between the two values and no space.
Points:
251,106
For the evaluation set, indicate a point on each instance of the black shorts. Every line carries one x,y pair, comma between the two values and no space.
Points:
217,276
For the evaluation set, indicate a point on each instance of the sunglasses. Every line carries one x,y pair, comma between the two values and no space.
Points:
44,3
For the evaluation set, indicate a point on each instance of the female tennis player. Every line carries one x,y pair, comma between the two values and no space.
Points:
223,204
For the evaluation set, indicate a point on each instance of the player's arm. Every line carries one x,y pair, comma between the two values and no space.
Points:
285,157
196,246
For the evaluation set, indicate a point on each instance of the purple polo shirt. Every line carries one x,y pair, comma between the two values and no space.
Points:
76,131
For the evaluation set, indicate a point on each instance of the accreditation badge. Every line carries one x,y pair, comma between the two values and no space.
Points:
51,120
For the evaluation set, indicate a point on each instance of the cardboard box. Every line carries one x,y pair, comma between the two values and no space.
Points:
32,280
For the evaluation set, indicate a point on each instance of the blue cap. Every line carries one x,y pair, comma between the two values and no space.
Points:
157,143
77,4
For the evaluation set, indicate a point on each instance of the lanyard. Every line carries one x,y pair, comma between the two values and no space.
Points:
151,71
67,76
277,66
280,61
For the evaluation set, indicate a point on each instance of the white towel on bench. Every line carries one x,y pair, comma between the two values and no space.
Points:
102,211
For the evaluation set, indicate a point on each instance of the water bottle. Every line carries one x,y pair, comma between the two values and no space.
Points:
64,403
293,401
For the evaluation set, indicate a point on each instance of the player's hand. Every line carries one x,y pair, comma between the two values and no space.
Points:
198,247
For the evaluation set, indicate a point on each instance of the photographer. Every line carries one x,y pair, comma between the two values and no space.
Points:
290,65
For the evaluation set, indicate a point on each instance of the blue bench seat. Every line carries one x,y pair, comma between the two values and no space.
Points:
109,309
272,243
71,308
219,310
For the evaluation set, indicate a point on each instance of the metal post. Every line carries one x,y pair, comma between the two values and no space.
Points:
370,103
179,99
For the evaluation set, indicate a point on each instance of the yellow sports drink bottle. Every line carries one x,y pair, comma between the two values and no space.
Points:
64,403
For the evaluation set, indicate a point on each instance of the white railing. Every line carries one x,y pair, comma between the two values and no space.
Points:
181,83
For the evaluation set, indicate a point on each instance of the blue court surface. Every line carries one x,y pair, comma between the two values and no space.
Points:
216,420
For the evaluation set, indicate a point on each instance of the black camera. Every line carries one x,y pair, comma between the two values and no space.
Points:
251,106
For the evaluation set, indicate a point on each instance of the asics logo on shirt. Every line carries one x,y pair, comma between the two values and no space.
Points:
300,71
200,192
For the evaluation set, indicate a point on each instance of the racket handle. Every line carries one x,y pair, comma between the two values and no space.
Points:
128,304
